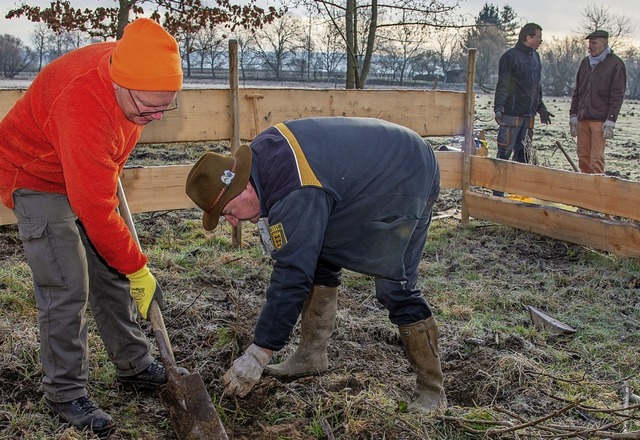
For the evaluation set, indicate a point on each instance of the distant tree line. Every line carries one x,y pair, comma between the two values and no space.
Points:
403,42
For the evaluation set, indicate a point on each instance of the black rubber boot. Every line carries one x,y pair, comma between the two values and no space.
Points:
83,414
149,379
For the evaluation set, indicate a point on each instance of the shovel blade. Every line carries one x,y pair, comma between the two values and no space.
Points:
192,414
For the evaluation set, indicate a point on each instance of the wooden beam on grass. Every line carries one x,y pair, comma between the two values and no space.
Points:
619,238
588,191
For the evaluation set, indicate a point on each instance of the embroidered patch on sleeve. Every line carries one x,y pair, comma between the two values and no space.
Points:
278,237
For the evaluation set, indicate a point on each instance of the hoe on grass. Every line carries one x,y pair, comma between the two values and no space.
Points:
192,413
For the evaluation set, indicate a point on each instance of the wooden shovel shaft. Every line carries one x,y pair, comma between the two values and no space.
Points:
164,344
571,162
192,413
155,315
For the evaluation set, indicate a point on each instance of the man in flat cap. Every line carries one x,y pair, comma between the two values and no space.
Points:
62,148
597,98
338,192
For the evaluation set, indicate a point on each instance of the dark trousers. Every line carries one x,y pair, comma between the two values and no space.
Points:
403,300
515,135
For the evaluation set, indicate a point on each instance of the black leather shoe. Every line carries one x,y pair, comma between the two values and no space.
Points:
83,414
149,379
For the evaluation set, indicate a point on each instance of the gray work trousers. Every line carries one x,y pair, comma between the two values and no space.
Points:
68,274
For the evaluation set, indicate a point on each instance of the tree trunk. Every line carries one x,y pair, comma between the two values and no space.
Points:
123,16
350,34
371,38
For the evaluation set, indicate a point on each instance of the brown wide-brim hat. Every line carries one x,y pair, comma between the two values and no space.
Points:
215,180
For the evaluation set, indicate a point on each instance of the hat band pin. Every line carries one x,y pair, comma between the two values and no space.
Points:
226,178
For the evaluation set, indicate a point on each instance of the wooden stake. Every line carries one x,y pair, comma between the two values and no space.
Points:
469,119
254,102
234,107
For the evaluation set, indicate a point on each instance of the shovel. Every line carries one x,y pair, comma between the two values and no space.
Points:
185,397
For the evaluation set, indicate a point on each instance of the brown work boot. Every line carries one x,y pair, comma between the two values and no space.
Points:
420,342
83,414
316,326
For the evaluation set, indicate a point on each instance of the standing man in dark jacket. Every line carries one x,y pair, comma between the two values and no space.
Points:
519,96
600,86
338,192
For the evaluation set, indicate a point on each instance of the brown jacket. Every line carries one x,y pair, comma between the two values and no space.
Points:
599,92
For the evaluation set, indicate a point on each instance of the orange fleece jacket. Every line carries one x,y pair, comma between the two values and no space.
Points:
68,135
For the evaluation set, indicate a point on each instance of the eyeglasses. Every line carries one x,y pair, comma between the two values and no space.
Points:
172,106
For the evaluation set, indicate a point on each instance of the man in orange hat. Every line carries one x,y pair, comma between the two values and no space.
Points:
62,148
353,193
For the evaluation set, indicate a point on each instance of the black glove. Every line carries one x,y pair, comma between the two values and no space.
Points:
498,116
545,116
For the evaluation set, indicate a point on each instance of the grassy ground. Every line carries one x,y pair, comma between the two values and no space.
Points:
504,378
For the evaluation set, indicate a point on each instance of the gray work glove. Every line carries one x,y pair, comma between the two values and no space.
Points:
245,371
607,129
545,116
573,125
498,116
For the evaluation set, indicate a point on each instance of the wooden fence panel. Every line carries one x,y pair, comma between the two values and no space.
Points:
593,192
204,114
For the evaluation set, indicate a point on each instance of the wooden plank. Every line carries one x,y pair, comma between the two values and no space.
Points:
156,188
6,216
599,193
450,169
619,238
8,98
204,114
161,188
433,113
148,189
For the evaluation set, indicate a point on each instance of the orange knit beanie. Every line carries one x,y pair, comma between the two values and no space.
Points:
146,58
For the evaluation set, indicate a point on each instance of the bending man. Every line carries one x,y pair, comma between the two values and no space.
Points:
350,193
62,148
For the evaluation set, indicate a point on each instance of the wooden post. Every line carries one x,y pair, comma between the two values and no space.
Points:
469,117
234,109
254,101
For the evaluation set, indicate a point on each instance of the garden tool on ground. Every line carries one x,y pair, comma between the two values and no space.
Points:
191,411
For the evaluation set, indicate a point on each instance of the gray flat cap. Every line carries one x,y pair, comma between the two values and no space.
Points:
598,34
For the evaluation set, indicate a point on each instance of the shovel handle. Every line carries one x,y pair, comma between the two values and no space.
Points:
155,315
162,339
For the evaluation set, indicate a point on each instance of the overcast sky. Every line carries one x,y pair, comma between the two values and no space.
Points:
557,17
